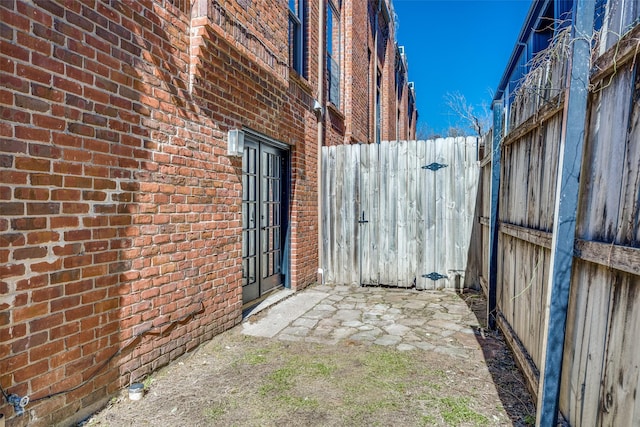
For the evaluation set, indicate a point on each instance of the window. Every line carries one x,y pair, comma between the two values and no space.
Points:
333,53
297,31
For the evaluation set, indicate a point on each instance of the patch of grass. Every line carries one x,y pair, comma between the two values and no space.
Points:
530,420
388,370
428,420
388,362
147,382
280,380
358,412
256,357
439,373
378,386
214,413
432,385
297,402
317,369
283,379
380,405
456,411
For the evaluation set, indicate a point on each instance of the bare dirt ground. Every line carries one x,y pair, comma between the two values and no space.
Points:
238,380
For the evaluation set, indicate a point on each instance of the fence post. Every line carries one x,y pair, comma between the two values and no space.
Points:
496,153
564,224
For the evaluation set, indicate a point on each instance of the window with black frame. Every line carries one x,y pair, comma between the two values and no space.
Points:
297,27
333,52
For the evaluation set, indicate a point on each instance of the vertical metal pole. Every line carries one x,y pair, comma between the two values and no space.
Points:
496,153
564,225
321,101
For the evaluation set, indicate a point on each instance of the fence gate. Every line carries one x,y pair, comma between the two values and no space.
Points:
399,213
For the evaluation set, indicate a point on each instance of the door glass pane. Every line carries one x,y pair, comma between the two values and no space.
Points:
252,270
252,244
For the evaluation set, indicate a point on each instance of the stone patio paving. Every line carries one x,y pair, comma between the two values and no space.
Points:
439,320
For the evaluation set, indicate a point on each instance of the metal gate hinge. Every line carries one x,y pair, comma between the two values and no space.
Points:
435,276
434,166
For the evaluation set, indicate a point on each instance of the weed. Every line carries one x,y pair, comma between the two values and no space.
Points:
256,357
432,385
279,380
428,420
215,412
388,362
318,369
148,381
299,402
456,411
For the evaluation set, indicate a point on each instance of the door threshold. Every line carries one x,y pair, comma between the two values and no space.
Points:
272,297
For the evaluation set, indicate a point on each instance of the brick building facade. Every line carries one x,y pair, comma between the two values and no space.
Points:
378,101
127,231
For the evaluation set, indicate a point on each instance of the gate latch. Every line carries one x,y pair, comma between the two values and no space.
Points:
362,221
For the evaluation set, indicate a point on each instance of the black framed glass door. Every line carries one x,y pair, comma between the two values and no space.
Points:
263,218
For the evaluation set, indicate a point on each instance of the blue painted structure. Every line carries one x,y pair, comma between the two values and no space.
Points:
545,19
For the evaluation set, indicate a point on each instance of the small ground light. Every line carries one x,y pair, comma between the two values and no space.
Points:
136,391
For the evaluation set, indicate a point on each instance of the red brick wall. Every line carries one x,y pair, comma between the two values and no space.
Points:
357,71
363,25
119,209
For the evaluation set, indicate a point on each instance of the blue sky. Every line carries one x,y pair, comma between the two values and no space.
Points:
456,46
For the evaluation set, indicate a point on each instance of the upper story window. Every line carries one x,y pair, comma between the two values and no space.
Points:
333,51
297,26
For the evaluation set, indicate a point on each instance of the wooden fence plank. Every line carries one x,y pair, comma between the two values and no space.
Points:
339,216
610,61
429,225
412,218
617,257
329,253
402,215
440,224
458,226
551,135
582,365
421,214
628,226
351,216
622,367
602,208
537,237
373,215
386,182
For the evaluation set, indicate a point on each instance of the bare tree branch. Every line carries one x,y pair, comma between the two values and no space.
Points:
478,123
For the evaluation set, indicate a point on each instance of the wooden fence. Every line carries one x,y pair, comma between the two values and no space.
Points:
397,212
601,359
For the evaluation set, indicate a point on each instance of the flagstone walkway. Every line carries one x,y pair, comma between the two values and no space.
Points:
440,320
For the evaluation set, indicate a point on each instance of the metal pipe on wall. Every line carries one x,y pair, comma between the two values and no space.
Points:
321,121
